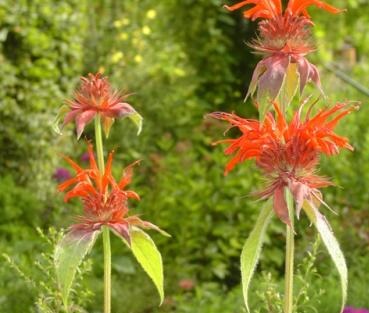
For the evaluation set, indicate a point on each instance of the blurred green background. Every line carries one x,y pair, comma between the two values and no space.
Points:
181,59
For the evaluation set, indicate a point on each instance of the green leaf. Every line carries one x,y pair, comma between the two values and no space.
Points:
68,255
252,248
290,86
332,245
149,257
55,124
137,120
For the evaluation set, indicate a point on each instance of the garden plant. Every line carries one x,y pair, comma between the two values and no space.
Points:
104,199
85,179
287,141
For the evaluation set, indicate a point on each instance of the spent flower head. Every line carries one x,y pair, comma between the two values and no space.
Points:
96,97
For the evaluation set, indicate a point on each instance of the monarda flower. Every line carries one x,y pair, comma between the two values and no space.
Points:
284,39
105,200
105,206
287,153
96,97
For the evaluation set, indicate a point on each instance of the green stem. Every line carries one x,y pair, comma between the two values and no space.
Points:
290,248
99,144
106,233
107,270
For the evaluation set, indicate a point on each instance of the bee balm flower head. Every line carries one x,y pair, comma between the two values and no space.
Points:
287,153
284,40
105,200
96,97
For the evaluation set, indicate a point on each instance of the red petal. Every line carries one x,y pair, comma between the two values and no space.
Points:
127,175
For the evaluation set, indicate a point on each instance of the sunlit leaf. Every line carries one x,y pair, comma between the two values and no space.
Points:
68,255
252,248
290,86
137,119
55,125
332,245
149,257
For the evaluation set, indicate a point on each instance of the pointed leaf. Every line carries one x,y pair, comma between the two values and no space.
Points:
68,255
149,257
252,248
55,124
331,243
107,124
137,120
290,86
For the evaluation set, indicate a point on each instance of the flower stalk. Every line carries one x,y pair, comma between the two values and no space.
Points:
99,144
104,198
105,230
107,270
290,249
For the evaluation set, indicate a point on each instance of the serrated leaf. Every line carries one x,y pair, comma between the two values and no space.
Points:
331,244
252,248
290,86
68,255
137,119
149,257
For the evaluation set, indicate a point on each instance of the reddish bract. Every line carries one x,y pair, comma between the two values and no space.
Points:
287,153
104,199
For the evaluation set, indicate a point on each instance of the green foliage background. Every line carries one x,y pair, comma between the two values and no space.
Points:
182,60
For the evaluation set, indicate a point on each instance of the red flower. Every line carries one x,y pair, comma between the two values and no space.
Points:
284,39
297,7
262,8
270,9
104,199
287,153
96,96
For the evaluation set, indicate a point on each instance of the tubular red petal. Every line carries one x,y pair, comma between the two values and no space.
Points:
107,177
91,156
127,174
73,164
67,183
238,5
132,195
261,9
298,7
